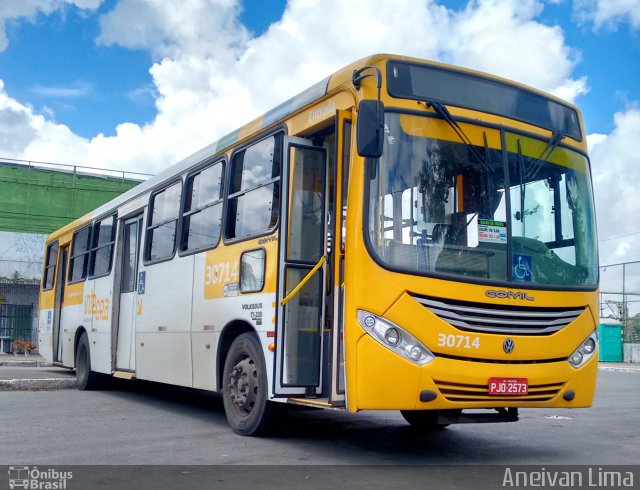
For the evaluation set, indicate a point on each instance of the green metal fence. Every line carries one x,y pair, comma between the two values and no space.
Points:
16,323
39,197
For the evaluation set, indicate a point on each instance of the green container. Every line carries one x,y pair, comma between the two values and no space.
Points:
610,342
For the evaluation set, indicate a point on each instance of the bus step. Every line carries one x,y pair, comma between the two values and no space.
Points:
316,403
124,374
457,417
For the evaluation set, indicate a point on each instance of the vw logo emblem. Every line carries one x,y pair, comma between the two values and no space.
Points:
508,345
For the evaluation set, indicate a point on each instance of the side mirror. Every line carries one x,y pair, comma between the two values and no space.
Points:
370,128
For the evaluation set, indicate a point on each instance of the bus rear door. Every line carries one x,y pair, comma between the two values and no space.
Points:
130,285
61,280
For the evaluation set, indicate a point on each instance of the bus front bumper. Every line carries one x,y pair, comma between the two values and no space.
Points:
385,381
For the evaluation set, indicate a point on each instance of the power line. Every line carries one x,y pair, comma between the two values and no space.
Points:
618,237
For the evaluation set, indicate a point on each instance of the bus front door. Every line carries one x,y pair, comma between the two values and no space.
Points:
302,267
338,231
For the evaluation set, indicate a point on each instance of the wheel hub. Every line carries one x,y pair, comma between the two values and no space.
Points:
243,386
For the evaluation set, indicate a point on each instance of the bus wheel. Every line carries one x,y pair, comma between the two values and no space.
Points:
85,378
245,389
423,419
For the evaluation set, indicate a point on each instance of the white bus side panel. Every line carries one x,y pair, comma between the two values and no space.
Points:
253,309
207,322
163,329
210,316
125,358
71,317
45,334
204,348
100,331
164,357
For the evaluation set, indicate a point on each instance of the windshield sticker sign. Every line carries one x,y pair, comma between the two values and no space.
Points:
522,267
492,231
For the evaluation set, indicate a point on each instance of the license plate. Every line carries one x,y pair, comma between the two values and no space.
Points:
508,386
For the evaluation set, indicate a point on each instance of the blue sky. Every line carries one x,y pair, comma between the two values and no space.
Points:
609,57
53,63
139,84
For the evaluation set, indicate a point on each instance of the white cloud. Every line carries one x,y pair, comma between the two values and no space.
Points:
595,139
143,95
493,35
210,77
609,13
24,132
201,27
16,130
16,9
616,179
74,91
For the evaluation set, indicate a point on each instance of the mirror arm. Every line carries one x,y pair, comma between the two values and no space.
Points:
359,75
366,134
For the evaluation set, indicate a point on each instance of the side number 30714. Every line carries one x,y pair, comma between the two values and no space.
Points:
460,341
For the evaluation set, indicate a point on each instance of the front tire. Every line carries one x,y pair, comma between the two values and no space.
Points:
245,389
86,379
426,420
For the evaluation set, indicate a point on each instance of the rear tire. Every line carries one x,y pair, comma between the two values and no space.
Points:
426,420
245,389
86,379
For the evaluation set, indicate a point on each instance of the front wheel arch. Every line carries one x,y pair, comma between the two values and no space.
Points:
229,333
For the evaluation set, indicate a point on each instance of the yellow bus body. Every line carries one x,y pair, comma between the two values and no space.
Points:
376,377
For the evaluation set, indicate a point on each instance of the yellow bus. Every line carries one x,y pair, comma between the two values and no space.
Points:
404,235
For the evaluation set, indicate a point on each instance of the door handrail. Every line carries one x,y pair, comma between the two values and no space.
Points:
306,278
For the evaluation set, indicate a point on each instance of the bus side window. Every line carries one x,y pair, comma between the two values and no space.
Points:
50,266
202,212
252,265
254,191
79,255
104,235
162,223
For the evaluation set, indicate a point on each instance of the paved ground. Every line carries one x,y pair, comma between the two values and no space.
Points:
19,372
621,367
22,360
137,423
147,423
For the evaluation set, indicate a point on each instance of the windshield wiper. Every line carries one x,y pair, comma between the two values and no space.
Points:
523,183
444,113
553,143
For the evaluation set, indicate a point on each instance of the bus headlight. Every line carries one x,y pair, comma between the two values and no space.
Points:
586,350
395,338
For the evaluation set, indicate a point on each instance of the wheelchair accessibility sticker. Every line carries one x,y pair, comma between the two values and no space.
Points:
522,267
142,279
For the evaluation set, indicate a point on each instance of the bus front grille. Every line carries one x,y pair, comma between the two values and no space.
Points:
508,320
458,392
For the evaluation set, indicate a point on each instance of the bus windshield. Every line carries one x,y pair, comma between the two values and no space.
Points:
438,206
